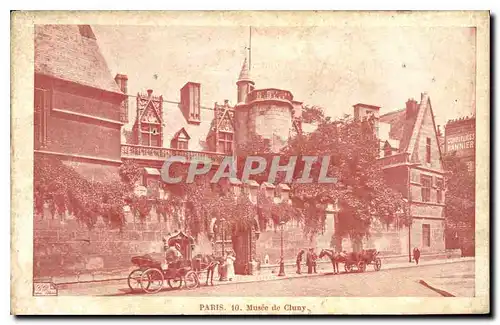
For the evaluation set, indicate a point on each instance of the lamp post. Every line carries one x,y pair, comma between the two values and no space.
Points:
222,271
222,234
410,165
282,262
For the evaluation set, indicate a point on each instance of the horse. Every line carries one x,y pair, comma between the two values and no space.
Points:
211,263
335,258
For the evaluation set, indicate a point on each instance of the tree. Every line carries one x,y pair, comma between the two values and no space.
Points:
361,189
313,114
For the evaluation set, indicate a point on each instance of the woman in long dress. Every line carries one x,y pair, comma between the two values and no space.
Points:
230,266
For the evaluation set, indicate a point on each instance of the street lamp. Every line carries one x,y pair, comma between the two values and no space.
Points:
410,221
282,261
409,207
222,234
222,273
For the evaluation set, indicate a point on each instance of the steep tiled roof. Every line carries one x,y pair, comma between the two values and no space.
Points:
71,52
401,127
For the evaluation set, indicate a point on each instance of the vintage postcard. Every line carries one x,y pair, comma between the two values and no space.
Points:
250,163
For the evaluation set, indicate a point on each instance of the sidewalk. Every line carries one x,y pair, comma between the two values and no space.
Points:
118,286
270,270
326,268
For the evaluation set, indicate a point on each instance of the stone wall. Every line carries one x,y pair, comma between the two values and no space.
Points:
269,243
271,121
65,246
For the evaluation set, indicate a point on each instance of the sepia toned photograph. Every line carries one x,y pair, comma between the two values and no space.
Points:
217,161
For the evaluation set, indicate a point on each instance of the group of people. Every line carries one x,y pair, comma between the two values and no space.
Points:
311,261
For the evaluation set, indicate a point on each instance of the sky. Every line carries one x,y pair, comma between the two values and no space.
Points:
330,67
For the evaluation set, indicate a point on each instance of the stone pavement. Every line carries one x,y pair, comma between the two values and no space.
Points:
327,268
460,283
119,286
271,271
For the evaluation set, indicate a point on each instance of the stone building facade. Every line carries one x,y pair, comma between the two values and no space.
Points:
75,99
95,123
412,162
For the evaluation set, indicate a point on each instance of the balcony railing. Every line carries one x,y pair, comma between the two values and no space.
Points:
269,94
159,153
393,160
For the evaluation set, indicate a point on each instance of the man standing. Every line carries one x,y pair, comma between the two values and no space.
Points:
299,260
314,261
416,254
309,261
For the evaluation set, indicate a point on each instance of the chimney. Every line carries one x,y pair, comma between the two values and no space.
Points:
122,81
150,91
190,102
411,108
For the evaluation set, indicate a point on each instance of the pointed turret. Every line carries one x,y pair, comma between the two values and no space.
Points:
245,73
244,83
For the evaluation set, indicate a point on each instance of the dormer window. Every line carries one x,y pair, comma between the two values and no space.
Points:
148,125
181,140
182,144
225,144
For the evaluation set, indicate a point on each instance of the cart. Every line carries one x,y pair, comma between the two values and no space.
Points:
360,260
150,274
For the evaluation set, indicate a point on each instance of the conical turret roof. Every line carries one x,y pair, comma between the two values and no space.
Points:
245,73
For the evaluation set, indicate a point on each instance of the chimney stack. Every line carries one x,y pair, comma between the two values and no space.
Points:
411,108
150,91
190,102
122,82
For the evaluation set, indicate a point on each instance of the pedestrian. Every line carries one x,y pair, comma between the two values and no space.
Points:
299,260
309,261
230,258
416,254
314,261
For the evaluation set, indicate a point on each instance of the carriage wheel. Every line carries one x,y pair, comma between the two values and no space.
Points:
361,266
152,280
175,283
191,280
348,267
134,280
378,264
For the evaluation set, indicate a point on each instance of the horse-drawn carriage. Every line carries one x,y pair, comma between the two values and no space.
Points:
358,260
151,275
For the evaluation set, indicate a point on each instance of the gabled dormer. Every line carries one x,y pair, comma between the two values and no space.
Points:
221,136
149,121
180,140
